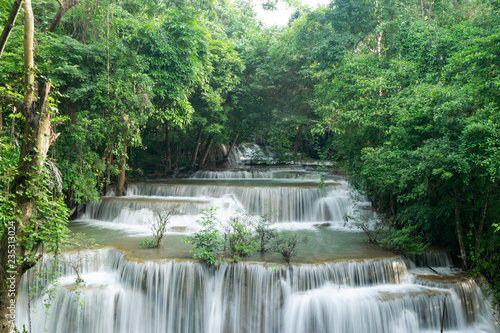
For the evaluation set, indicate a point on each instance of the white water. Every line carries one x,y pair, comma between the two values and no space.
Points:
120,296
268,173
251,154
284,196
367,296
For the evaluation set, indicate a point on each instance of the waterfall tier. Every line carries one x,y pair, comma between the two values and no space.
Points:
302,202
368,296
280,201
268,173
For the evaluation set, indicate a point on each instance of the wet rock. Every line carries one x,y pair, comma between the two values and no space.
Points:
322,225
180,229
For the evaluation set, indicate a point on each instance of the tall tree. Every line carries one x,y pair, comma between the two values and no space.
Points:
29,221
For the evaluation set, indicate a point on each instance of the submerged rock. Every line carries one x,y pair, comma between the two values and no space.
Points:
322,225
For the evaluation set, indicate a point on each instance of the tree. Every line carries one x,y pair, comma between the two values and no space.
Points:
84,248
222,68
415,122
286,243
158,225
173,48
30,220
64,6
265,233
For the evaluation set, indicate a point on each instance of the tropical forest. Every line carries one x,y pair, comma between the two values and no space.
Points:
249,166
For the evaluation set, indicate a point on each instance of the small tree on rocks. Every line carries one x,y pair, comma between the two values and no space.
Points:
264,233
84,249
285,243
158,225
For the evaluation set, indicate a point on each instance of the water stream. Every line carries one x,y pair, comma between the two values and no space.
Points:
336,284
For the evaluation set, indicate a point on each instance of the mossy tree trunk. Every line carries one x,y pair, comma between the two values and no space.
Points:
37,138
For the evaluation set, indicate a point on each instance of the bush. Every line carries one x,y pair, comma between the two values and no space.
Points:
239,241
208,241
147,243
372,230
285,243
264,233
404,241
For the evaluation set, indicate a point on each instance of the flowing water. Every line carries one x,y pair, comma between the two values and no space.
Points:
336,284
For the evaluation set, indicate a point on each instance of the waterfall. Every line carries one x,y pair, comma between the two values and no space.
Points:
253,154
430,259
234,157
134,209
268,173
287,203
380,309
303,202
184,296
121,295
235,174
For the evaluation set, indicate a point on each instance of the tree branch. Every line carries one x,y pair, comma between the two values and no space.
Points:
29,264
177,5
63,8
356,46
12,100
9,25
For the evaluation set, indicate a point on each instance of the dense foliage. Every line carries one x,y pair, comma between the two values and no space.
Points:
404,94
412,111
241,236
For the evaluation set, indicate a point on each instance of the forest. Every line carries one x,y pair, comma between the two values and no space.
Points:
404,96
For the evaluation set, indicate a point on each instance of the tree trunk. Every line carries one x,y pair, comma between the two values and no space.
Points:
196,149
178,155
13,127
123,162
297,141
9,25
108,170
63,8
460,236
29,64
37,138
169,150
121,177
205,152
479,231
232,146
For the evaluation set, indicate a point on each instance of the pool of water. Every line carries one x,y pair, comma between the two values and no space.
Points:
324,244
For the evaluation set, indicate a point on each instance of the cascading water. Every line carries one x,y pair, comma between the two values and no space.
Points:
365,296
252,153
268,173
385,294
283,195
